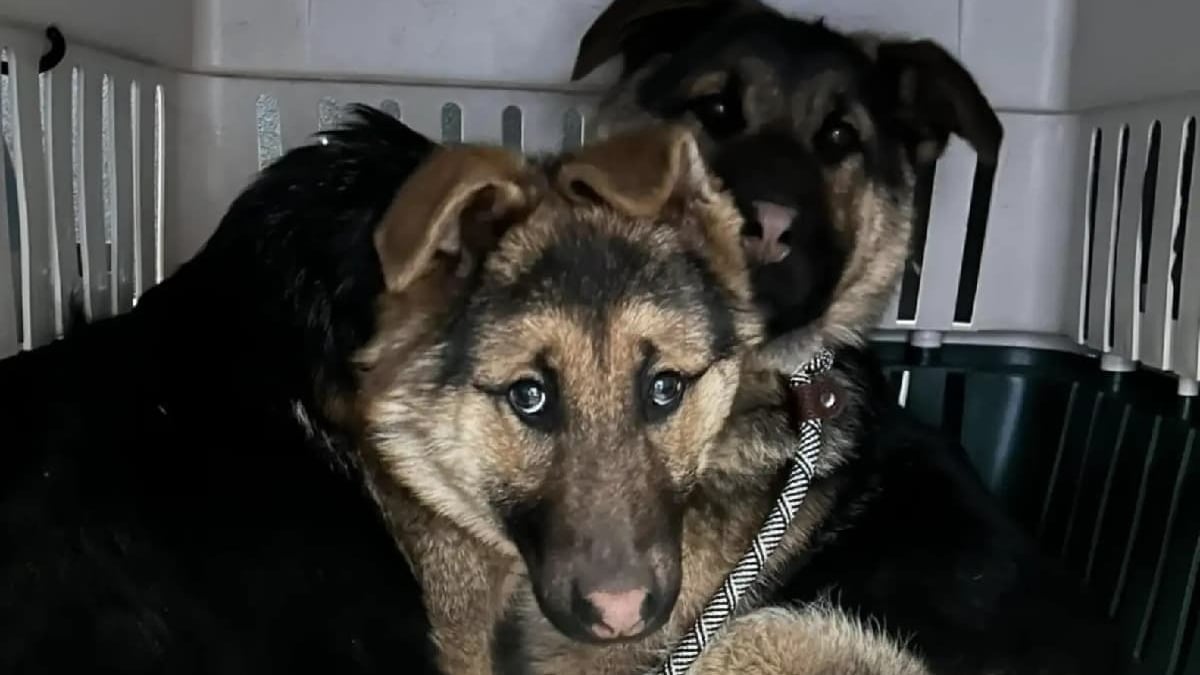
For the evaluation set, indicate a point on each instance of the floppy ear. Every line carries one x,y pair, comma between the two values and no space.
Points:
639,29
934,96
638,172
448,212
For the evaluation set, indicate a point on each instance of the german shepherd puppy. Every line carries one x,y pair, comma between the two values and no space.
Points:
821,136
555,360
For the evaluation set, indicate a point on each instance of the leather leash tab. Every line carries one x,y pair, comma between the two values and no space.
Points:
821,399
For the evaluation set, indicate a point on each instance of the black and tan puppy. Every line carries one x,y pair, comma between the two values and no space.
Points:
553,369
821,137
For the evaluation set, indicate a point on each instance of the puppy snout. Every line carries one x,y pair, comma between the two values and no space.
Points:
620,599
605,571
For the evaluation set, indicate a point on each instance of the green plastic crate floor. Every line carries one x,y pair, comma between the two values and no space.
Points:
1099,466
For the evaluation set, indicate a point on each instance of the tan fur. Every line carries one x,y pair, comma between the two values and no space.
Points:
755,444
733,488
440,450
430,442
423,219
717,532
437,451
879,227
726,510
881,231
814,640
733,495
708,84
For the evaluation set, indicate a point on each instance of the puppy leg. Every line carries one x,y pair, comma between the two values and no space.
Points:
815,640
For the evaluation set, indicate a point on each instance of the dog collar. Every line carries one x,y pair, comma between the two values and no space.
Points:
817,400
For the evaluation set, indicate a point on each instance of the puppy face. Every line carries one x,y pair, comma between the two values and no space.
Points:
563,404
819,135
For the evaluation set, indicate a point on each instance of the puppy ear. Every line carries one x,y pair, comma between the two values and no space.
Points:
637,172
656,172
934,96
449,212
639,29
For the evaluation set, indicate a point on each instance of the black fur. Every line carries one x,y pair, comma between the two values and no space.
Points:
917,542
787,85
164,508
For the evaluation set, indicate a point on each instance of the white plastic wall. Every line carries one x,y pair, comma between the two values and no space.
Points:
246,79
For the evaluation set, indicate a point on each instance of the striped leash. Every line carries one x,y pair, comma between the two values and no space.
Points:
724,603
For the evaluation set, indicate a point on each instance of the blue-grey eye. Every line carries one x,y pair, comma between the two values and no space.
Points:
666,389
527,397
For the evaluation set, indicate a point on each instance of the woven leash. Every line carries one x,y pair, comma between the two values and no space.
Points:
724,603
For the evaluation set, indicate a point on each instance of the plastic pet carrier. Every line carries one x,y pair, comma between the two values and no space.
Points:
1050,314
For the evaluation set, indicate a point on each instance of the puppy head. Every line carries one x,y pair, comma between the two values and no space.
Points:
561,404
819,135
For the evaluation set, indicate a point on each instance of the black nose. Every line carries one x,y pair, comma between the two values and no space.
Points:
618,611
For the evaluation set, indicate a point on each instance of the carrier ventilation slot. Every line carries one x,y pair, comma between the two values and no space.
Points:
977,221
1089,241
573,130
1120,511
512,128
1145,233
328,113
1164,604
452,123
1117,221
392,107
270,133
1106,498
910,282
1184,656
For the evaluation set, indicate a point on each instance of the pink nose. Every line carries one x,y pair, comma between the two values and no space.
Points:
620,613
775,221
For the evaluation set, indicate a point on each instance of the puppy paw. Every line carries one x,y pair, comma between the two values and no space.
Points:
813,640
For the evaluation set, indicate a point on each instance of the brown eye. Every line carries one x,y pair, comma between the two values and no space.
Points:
713,110
720,113
837,140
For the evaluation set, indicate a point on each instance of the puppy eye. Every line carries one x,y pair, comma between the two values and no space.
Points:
837,140
721,114
666,390
527,397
